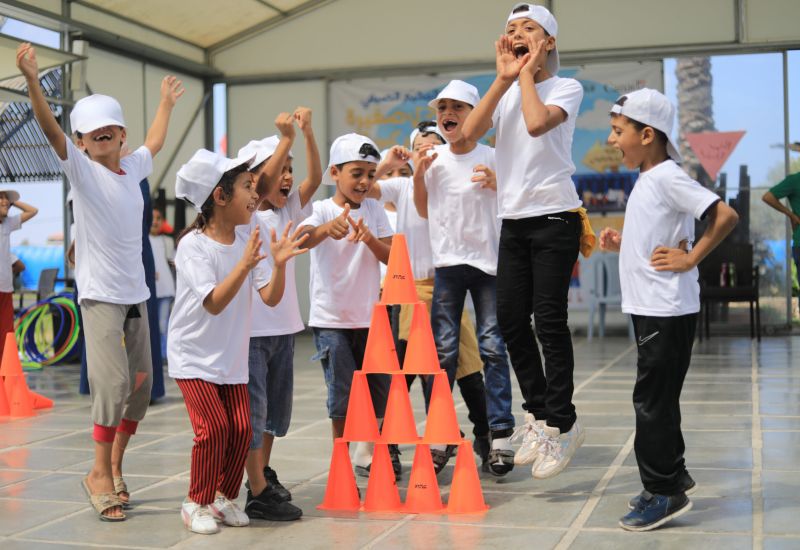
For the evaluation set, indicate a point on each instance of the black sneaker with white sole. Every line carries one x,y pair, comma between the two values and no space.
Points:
270,506
272,479
397,467
482,447
655,511
688,486
441,458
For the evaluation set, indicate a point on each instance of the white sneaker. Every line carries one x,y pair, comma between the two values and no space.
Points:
531,435
198,519
557,450
228,513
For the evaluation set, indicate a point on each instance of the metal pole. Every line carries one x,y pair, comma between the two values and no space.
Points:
788,265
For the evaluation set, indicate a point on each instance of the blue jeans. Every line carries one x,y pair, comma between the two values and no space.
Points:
164,307
271,364
450,287
341,352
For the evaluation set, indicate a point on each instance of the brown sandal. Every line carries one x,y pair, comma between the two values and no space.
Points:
121,487
102,502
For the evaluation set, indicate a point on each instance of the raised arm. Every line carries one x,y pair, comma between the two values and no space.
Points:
539,118
171,90
422,161
274,165
28,211
508,67
397,157
27,64
308,186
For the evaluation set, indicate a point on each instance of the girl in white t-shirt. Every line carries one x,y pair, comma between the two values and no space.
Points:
217,270
350,236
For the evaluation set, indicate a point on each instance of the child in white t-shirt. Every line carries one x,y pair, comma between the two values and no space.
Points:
350,236
9,224
163,256
660,290
399,191
271,358
534,113
108,207
217,270
461,207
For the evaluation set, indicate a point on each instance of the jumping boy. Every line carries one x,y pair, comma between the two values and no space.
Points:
660,290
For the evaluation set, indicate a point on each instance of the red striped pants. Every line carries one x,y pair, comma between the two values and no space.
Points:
220,416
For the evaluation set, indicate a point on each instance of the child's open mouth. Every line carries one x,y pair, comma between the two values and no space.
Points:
103,137
449,124
284,191
520,50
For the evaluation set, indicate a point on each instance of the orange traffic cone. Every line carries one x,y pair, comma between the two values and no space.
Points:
421,356
10,365
380,355
398,423
382,494
5,410
398,285
40,401
19,399
341,492
466,496
442,424
360,423
423,489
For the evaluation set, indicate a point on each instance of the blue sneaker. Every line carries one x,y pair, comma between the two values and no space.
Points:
687,485
655,512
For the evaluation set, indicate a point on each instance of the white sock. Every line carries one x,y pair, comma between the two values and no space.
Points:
362,454
501,444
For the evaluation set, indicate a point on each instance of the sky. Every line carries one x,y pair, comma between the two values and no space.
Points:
747,92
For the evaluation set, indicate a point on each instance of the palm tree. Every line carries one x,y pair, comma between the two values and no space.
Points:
695,110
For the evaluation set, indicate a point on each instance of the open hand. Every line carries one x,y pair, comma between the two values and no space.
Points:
507,63
171,89
287,247
537,57
252,252
423,161
671,259
397,157
339,227
26,61
484,176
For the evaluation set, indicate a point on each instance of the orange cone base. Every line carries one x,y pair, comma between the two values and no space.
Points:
380,355
5,409
442,424
360,423
341,492
20,401
10,365
466,495
382,493
423,490
40,401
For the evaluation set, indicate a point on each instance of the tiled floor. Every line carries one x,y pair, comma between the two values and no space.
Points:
741,418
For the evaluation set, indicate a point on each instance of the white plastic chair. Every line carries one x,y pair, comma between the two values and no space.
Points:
604,290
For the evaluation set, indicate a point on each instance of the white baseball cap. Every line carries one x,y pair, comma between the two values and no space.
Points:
541,15
350,148
95,111
429,128
651,108
458,90
260,149
198,177
12,195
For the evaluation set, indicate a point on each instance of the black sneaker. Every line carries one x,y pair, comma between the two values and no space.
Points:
272,479
481,446
394,453
687,485
270,506
655,511
362,471
441,458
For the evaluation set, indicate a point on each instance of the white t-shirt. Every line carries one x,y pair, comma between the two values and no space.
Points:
213,348
163,252
285,317
108,210
534,173
7,226
345,276
400,191
660,212
462,217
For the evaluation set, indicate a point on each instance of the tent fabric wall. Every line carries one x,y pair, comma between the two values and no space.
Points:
251,114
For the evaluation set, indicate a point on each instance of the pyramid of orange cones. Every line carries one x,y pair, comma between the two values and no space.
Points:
15,398
399,426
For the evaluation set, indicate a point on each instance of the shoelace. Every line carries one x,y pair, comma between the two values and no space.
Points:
551,447
524,432
202,512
